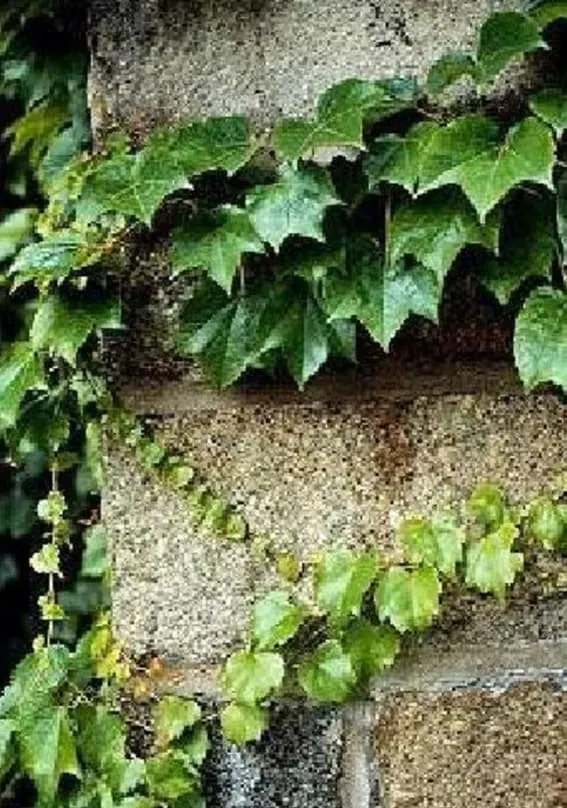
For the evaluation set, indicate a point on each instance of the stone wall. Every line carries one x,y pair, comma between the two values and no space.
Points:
476,714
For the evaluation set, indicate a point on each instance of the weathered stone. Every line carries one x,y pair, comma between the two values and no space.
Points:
479,749
156,62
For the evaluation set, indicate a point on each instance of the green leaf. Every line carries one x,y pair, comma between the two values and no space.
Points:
275,620
243,723
212,144
548,11
196,746
102,744
342,579
546,523
173,715
382,299
371,648
341,112
249,676
328,674
486,505
169,778
46,561
34,131
396,159
540,340
7,751
450,541
20,371
449,69
527,247
47,750
409,600
551,106
562,214
53,259
34,681
435,228
95,561
294,205
62,327
15,229
491,563
216,242
503,36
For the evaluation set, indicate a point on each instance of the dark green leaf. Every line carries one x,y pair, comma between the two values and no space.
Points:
212,144
95,561
551,106
276,620
371,648
409,600
491,563
562,215
20,371
449,69
249,676
243,723
540,340
396,159
328,674
504,36
53,259
341,581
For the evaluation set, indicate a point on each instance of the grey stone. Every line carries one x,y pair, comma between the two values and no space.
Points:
155,62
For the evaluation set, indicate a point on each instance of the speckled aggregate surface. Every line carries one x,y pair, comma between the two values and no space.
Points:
156,61
473,749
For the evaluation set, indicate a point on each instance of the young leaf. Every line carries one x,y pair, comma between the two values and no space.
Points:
47,750
409,600
486,505
216,242
20,371
491,563
449,69
527,247
249,676
540,340
62,327
328,674
435,228
551,106
275,621
546,523
341,581
371,648
419,541
243,723
503,36
450,540
341,112
294,205
173,715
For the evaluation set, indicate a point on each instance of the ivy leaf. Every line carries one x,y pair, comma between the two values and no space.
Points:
491,563
34,681
62,327
243,723
486,176
450,541
53,259
527,245
547,11
503,36
223,144
47,750
435,228
276,620
437,542
328,674
249,676
15,229
20,371
486,505
102,744
397,159
173,715
551,106
216,242
540,339
169,777
449,69
546,523
409,600
294,205
95,560
341,581
341,112
380,298
371,648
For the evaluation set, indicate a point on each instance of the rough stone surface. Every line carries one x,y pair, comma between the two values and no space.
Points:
296,765
473,749
156,62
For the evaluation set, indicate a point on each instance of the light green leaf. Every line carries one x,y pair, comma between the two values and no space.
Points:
528,245
371,648
449,69
7,751
551,106
275,620
95,561
381,299
503,36
173,715
342,579
435,228
243,723
169,778
20,371
249,676
328,674
341,112
294,205
546,523
491,563
47,750
450,540
53,259
409,600
46,561
547,11
486,505
540,340
216,242
62,327
33,683
102,744
418,540
15,229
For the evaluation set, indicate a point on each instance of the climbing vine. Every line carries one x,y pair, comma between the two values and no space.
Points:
290,241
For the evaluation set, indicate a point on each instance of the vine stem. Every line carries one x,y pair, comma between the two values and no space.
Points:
51,580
